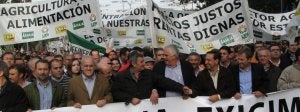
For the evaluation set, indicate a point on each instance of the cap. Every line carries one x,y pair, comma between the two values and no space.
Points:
148,59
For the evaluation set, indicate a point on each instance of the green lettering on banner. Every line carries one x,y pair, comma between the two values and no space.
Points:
226,40
27,35
78,25
140,32
177,44
116,43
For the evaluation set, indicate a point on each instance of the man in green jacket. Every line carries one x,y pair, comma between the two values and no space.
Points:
44,93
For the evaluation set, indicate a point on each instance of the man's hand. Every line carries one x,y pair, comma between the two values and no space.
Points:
214,98
258,94
135,101
77,105
154,97
187,90
237,96
101,103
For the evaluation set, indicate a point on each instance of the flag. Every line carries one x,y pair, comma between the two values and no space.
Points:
85,44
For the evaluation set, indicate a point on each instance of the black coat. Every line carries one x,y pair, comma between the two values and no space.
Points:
273,75
13,99
187,69
204,85
260,81
125,87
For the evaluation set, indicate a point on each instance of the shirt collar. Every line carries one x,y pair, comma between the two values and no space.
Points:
57,80
247,70
216,72
86,78
43,84
177,64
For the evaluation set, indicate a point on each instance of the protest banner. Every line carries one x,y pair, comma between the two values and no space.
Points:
269,27
224,23
284,101
293,28
27,22
126,22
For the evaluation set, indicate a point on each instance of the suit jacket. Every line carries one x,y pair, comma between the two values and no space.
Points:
125,87
58,95
260,81
204,85
188,74
77,91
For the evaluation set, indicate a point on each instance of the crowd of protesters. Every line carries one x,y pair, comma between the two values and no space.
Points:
48,80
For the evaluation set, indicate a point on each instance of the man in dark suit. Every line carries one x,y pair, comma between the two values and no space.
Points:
136,83
250,78
89,87
172,67
214,81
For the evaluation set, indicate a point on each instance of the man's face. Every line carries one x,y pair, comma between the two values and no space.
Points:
9,59
194,60
263,57
125,56
169,56
224,55
243,61
42,71
275,52
293,47
57,69
159,55
149,65
68,59
210,62
77,56
112,55
139,64
14,75
258,47
88,67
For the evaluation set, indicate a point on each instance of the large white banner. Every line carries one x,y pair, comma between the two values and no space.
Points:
269,27
224,23
126,22
26,22
285,101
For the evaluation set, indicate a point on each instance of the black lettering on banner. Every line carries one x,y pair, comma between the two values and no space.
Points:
256,23
160,110
171,15
283,107
229,109
241,108
283,18
47,19
291,15
255,106
271,106
204,109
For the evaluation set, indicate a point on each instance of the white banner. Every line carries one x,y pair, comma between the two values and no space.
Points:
269,27
285,101
224,23
26,22
126,22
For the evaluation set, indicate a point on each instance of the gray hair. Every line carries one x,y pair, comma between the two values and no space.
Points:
133,56
84,58
173,49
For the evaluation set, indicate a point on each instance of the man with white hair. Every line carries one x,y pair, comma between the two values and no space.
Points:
89,87
172,67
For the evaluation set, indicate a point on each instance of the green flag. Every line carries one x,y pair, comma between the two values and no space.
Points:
75,39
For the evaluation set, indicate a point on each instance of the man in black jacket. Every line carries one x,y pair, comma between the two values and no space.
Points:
214,81
135,83
12,96
250,78
172,67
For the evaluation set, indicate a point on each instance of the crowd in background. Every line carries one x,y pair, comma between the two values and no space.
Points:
48,80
